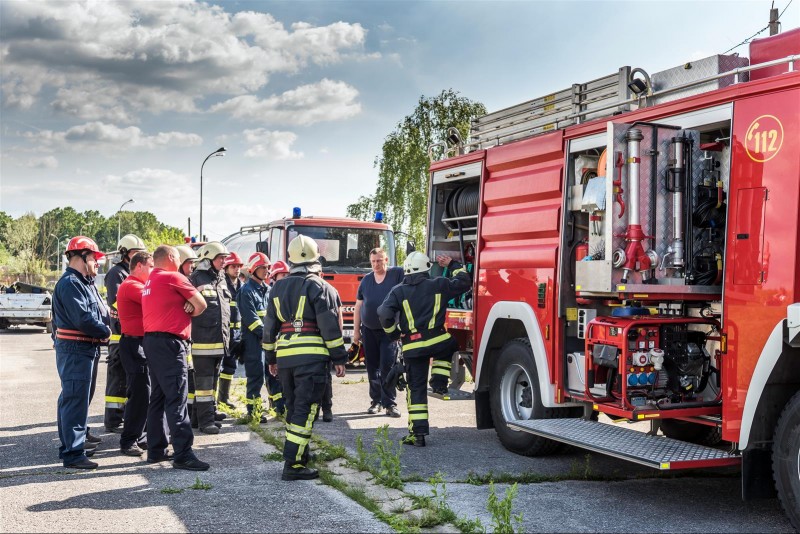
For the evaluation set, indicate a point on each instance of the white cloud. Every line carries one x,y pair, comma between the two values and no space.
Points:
271,144
46,162
326,100
111,136
154,56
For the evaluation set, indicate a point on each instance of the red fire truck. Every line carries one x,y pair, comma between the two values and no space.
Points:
635,247
344,246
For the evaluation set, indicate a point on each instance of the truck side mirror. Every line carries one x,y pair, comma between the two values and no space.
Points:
263,246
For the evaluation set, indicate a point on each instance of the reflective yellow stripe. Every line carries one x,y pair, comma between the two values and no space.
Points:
302,350
277,396
418,407
255,325
428,343
268,346
203,392
301,306
208,293
233,304
119,400
298,339
278,309
207,346
335,343
390,329
296,439
236,325
115,337
225,376
436,304
417,416
461,270
261,313
409,316
114,305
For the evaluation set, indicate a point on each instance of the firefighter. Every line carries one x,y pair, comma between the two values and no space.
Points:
233,267
115,373
210,333
187,260
301,336
420,302
80,320
252,301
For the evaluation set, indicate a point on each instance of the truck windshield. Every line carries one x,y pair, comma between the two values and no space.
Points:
342,249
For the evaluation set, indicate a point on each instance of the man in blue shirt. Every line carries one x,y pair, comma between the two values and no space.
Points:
80,320
380,352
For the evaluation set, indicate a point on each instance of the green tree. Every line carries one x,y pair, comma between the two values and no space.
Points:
5,220
402,190
23,240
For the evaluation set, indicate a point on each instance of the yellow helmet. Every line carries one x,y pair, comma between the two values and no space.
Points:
302,249
416,262
212,249
186,253
130,242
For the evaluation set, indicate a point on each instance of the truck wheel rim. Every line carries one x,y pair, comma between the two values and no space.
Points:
516,393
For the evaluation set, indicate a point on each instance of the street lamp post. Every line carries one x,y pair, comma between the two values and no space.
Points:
218,152
58,247
119,219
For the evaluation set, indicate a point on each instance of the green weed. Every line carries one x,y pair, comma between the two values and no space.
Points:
200,485
276,456
501,510
169,490
388,453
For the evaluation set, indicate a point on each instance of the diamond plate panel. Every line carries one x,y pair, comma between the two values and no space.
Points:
654,451
697,70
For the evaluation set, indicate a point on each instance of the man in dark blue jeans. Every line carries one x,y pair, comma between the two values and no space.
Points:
380,352
81,322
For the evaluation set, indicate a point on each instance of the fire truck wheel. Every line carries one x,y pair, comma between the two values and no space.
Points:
786,460
691,432
48,327
514,394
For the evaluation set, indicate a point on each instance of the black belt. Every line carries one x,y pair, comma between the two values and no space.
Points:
168,335
132,337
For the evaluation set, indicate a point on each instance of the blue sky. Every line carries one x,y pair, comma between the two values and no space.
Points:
106,101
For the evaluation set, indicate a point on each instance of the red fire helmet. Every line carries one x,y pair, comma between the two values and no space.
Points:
257,259
277,268
80,242
233,259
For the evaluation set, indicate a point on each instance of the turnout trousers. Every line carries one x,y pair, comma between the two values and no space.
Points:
302,388
206,371
417,391
132,357
166,363
76,362
116,386
380,353
442,363
257,374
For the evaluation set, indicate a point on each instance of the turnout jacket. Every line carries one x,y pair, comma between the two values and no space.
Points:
252,304
211,329
302,323
420,303
236,317
78,306
114,278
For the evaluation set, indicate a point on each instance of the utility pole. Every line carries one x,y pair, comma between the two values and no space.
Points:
773,21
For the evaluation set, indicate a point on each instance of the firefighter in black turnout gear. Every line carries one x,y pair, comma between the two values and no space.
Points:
232,266
116,379
414,311
301,337
210,333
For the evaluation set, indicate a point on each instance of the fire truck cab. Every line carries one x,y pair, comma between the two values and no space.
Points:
635,242
344,246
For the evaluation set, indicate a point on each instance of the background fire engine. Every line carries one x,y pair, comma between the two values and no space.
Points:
635,246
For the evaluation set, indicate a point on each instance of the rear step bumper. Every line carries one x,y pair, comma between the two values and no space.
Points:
657,452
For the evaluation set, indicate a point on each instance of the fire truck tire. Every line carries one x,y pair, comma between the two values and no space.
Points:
786,460
514,394
691,432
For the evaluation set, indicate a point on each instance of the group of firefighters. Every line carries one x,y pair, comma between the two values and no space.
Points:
176,323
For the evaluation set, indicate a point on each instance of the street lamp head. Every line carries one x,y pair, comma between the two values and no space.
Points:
220,151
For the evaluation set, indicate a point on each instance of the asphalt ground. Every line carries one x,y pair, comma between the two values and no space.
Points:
574,492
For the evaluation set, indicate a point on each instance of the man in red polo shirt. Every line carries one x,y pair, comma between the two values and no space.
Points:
131,353
169,301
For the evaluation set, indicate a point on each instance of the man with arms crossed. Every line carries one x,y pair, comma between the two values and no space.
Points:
169,301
